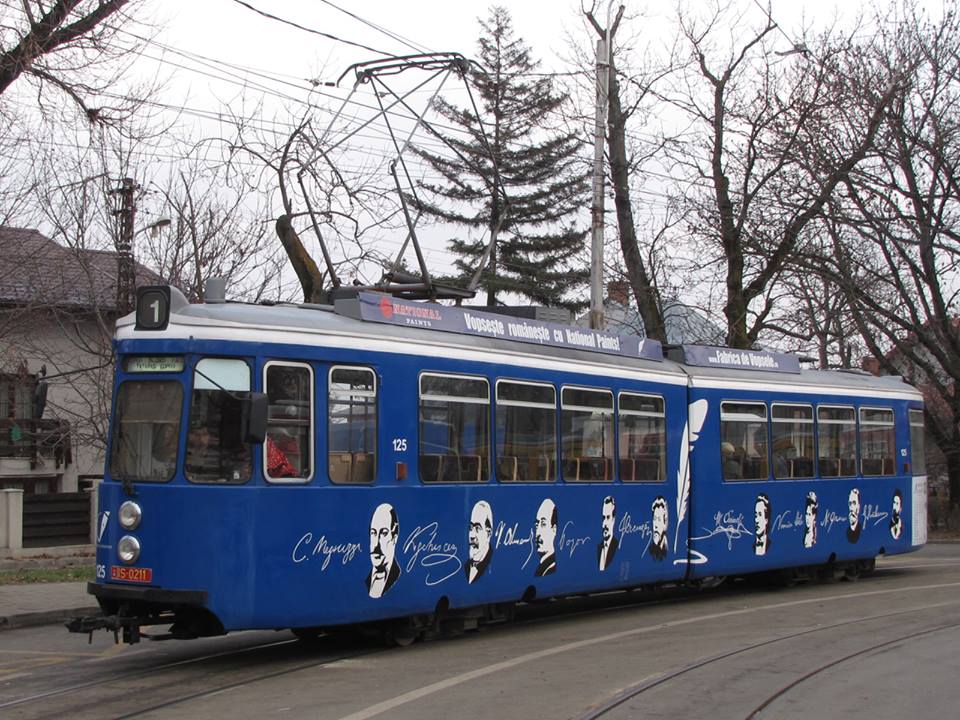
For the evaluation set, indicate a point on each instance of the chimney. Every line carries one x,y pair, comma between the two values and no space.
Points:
618,291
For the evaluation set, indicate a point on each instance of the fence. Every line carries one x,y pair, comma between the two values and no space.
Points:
49,520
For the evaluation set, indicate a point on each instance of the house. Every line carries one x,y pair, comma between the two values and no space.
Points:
684,324
57,310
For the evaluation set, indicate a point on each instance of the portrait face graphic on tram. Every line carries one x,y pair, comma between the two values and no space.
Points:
384,531
761,518
896,522
545,535
478,541
810,520
853,517
608,540
658,523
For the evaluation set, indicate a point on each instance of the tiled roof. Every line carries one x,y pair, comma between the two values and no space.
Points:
35,269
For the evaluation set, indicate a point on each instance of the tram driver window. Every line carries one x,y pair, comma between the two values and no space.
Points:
352,430
454,428
836,441
792,441
526,432
586,427
288,450
216,451
743,441
643,446
877,442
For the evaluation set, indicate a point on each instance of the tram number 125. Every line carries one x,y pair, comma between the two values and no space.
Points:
399,444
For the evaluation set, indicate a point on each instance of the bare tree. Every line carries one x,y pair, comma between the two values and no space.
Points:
753,110
217,229
55,44
895,247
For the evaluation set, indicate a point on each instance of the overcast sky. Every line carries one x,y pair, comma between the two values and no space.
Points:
227,31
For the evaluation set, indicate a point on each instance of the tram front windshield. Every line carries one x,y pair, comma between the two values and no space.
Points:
146,431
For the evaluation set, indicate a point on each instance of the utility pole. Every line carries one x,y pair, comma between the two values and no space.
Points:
126,274
597,321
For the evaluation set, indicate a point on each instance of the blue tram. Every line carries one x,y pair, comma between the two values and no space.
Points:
387,461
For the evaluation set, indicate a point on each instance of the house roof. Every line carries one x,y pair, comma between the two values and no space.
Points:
36,270
683,324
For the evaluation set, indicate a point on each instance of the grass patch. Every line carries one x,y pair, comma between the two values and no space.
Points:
46,575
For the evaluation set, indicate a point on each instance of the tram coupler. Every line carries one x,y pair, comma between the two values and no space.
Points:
127,626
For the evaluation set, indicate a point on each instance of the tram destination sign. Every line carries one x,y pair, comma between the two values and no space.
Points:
732,359
377,307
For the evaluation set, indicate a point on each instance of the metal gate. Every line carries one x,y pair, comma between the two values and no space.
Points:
56,519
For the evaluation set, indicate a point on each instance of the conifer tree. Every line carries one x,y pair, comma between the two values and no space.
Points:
545,182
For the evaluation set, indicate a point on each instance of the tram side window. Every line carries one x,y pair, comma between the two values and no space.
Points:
288,450
918,457
526,432
643,440
792,427
216,451
744,441
877,442
352,428
146,431
586,431
837,441
454,428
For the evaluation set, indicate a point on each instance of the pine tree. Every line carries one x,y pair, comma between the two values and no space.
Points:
546,183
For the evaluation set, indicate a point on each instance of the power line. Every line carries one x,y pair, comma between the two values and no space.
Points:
311,30
389,33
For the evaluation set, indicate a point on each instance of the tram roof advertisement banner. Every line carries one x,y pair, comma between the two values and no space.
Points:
729,358
377,307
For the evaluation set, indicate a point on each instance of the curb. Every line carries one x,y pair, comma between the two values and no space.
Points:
46,617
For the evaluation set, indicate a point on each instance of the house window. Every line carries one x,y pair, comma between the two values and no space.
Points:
16,395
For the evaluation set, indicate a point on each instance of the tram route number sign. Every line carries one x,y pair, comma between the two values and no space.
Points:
377,307
131,574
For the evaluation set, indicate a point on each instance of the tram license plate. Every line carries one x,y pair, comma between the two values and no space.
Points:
131,574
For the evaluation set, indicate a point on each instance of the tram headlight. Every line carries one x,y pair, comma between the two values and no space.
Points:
130,515
128,549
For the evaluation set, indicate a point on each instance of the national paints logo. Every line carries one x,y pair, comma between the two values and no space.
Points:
386,308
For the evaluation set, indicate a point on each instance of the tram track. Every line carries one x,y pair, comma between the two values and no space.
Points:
635,691
167,687
122,679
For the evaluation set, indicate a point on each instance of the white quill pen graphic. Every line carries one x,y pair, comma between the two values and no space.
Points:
696,416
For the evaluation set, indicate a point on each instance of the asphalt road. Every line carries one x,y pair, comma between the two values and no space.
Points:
882,647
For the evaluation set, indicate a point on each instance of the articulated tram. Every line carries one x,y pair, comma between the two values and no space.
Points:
391,462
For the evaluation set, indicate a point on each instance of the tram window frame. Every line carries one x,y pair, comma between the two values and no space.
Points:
917,440
518,468
359,470
163,431
888,463
462,469
284,424
846,467
242,471
661,455
598,468
736,463
792,468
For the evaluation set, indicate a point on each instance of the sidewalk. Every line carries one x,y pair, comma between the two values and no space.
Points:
43,603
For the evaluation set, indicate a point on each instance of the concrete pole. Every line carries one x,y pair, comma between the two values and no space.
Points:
599,136
11,519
